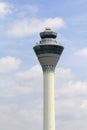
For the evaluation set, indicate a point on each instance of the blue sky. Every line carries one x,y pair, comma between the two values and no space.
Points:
21,80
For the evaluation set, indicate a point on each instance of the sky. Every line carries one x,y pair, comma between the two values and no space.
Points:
21,77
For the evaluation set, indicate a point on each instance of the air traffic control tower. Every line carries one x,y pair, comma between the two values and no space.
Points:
48,52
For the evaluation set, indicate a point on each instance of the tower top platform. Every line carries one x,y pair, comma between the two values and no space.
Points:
48,33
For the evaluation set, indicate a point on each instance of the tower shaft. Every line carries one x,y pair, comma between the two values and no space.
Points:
48,103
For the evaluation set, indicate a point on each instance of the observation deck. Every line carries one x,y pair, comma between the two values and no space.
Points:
48,50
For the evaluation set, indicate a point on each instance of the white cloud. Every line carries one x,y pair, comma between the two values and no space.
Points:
23,83
72,125
84,104
22,90
82,52
71,103
27,27
5,8
26,114
29,79
20,119
9,64
62,73
14,90
30,73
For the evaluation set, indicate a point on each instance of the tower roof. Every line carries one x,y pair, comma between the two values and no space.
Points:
48,33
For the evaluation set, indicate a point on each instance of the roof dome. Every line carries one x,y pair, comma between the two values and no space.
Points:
48,33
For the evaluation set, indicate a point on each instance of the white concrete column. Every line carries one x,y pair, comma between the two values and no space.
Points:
49,107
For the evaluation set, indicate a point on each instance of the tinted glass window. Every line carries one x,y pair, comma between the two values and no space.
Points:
42,49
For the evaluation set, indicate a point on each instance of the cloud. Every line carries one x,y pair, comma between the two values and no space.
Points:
5,8
74,89
31,26
72,125
81,52
71,103
29,79
30,73
20,119
64,73
71,95
9,64
23,83
15,90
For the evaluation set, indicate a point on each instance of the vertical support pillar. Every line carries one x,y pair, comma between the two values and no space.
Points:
49,107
